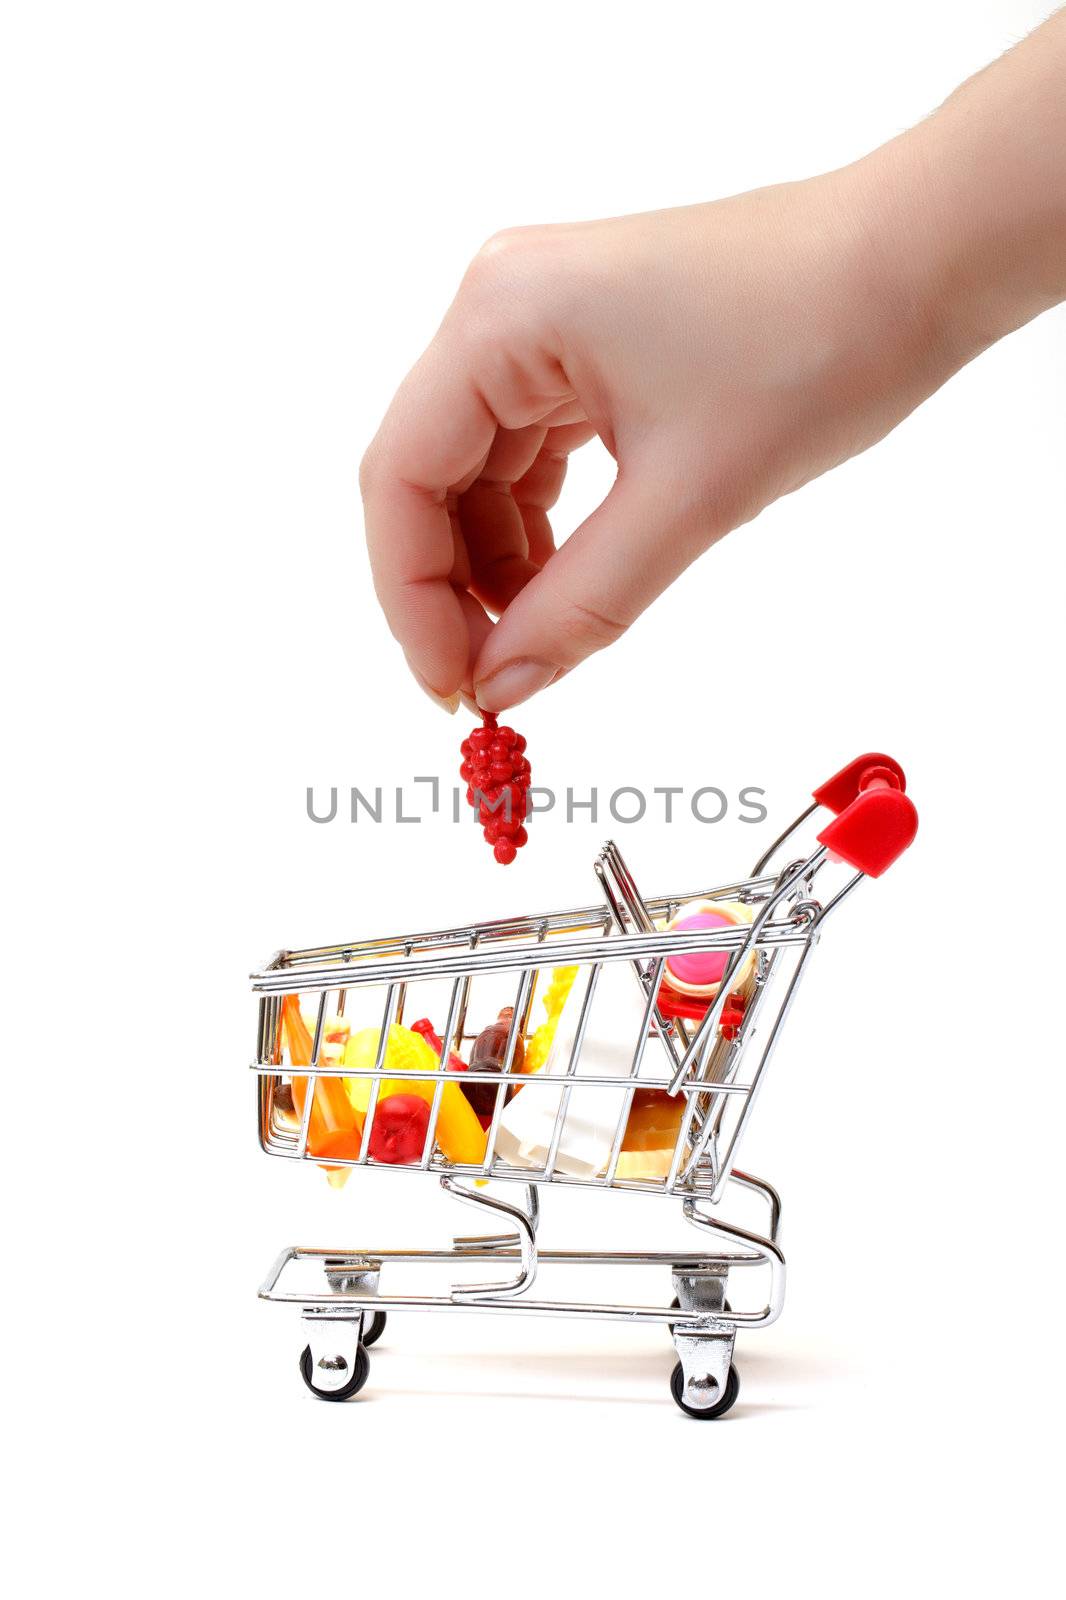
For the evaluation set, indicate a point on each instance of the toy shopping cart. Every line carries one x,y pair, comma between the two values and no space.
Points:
693,1058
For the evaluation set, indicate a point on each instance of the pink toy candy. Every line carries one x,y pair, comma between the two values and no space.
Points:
700,970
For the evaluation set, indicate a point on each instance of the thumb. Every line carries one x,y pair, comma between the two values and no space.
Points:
588,593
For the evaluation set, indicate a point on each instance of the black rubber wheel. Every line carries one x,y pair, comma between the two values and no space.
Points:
373,1328
726,1403
675,1305
354,1384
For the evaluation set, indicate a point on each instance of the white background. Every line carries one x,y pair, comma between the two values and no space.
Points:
230,229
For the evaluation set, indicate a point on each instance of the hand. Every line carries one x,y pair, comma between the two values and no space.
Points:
725,354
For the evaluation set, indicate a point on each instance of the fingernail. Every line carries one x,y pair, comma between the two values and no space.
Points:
447,702
509,685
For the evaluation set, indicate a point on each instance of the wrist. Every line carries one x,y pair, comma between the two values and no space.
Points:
972,202
913,336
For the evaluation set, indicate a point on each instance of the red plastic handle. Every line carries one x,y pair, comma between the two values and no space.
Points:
846,785
875,820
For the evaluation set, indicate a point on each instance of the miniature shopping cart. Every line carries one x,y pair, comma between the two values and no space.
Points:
711,1055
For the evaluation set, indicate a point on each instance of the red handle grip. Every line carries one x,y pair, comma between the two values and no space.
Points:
875,820
843,787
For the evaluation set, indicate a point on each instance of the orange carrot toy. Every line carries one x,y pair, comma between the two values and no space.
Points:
335,1127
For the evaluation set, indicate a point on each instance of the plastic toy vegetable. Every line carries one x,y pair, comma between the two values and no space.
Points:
400,1126
334,1127
424,1027
496,771
455,1063
562,981
459,1133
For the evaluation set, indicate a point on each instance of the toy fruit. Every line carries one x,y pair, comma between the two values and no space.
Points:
496,771
399,1131
459,1134
334,1127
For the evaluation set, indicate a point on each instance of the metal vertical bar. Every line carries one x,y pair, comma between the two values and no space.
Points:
713,1125
460,1022
519,1018
320,1022
682,1139
771,1044
312,1079
650,1009
269,1054
571,1067
438,1087
391,999
611,858
760,865
705,1031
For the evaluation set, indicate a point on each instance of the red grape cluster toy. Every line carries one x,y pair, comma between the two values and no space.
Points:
497,774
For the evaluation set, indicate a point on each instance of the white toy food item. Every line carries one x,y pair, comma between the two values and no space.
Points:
592,1112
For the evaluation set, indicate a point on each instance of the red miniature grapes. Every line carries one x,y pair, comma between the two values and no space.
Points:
497,774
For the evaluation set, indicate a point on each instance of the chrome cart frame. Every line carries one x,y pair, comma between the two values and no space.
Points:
715,1061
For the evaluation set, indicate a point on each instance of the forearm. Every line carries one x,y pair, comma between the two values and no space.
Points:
972,201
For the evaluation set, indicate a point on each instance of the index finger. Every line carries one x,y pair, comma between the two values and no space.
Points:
436,433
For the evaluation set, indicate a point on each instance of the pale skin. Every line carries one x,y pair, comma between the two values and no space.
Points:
725,353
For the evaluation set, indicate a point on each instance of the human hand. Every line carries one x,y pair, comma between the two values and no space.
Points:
725,354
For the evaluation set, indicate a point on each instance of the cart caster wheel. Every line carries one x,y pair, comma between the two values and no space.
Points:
675,1305
728,1400
373,1328
354,1384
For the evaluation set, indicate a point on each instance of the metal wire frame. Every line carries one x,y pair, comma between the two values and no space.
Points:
351,1279
703,1067
716,1072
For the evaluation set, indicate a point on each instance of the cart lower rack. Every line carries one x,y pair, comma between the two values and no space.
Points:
661,1016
